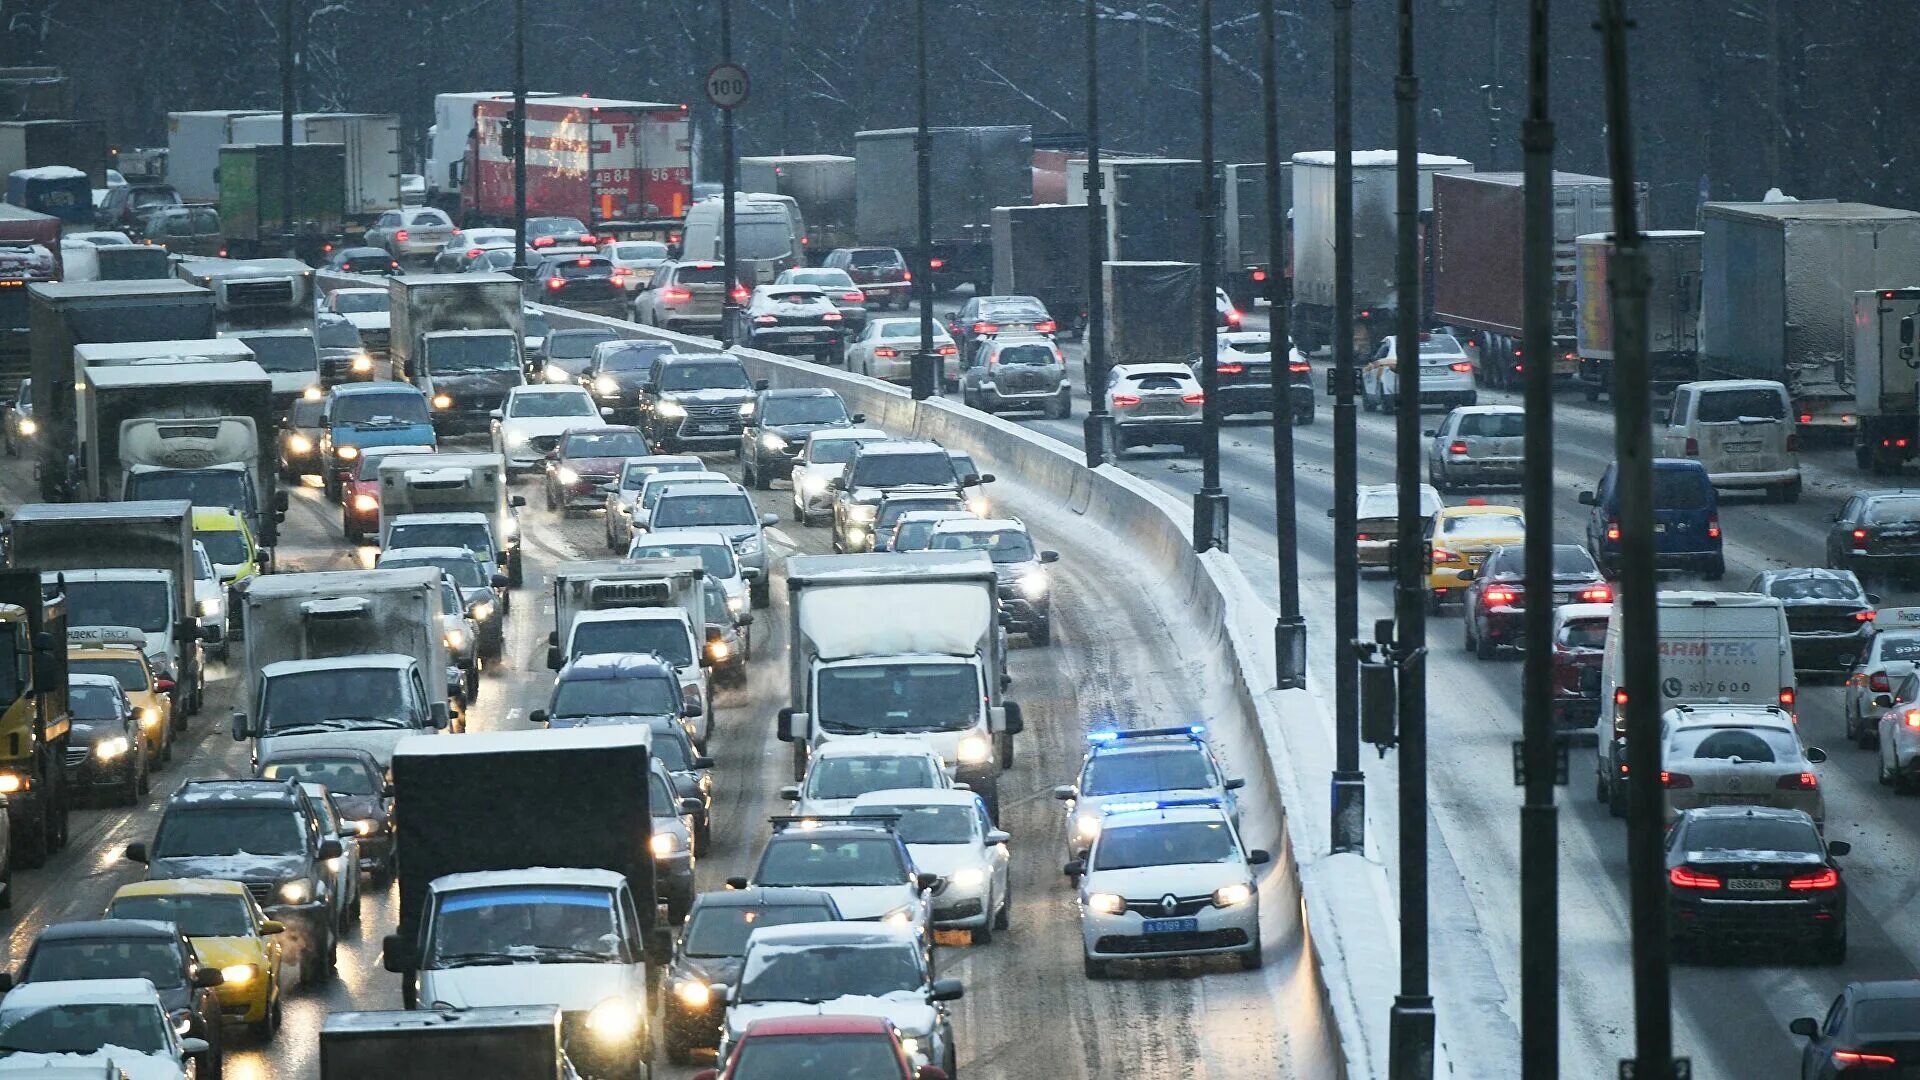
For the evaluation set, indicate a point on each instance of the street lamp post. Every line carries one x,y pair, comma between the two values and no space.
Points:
286,125
1290,630
729,307
1210,504
519,135
1349,783
926,369
1094,429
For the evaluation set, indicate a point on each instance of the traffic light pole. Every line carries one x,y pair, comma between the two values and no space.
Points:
729,307
1349,783
1210,503
520,135
1290,629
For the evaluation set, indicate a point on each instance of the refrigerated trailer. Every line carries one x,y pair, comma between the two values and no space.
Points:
1673,309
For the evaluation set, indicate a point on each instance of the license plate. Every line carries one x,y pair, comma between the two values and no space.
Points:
1741,447
1747,884
1170,926
1659,526
1563,598
1158,408
1476,560
712,429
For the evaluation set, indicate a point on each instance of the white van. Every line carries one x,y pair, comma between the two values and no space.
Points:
768,228
1715,648
1742,430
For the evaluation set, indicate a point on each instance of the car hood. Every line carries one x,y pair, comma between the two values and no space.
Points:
713,970
136,1065
708,397
797,432
909,1012
382,434
1153,882
572,987
86,733
376,741
869,901
241,867
599,466
944,859
227,951
534,426
468,382
603,721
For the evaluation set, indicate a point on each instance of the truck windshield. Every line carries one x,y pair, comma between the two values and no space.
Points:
768,238
525,925
899,697
933,468
197,915
662,636
229,830
585,698
474,536
73,1028
406,408
333,699
458,355
723,931
142,604
231,488
9,671
700,511
285,352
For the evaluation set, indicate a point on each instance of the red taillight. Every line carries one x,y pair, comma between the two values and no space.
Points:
556,283
739,294
1461,366
543,241
326,249
1804,781
1620,695
401,236
1194,398
1713,528
1693,447
1675,779
885,352
1806,418
1234,317
1456,448
1230,369
1877,683
1613,529
1496,597
765,320
1825,879
1363,536
1847,1059
1259,275
622,271
1683,878
589,239
986,328
1599,594
674,295
471,252
583,262
1443,555
1912,718
949,350
1046,326
1126,401
1863,616
1859,539
854,297
1786,697
906,275
1299,367
936,263
832,316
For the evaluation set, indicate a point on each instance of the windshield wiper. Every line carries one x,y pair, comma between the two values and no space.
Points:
570,952
315,725
477,959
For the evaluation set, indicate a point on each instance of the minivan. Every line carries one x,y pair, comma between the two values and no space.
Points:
768,228
1715,648
1686,519
1740,429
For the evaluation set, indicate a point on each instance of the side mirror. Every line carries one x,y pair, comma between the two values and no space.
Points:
986,478
1465,575
517,501
500,581
396,954
538,716
1838,848
1882,701
703,762
1236,783
6,980
1074,869
1587,499
998,836
1016,721
859,418
1431,432
438,716
926,882
208,976
1329,511
1816,755
194,1046
553,658
736,882
1259,857
1065,793
606,410
691,709
330,849
240,729
838,483
1049,556
1874,599
760,384
270,927
790,792
769,519
1807,1026
496,414
691,805
946,990
751,573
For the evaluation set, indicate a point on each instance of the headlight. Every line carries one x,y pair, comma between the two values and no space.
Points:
771,441
481,611
554,373
516,438
1034,585
362,364
900,916
605,386
456,639
366,504
147,715
443,401
108,749
1086,826
28,425
746,408
346,453
693,993
1107,903
614,1018
669,410
239,974
361,827
296,444
10,783
211,606
298,891
1229,895
975,749
313,393
862,511
746,545
978,506
566,475
718,650
663,844
910,1045
969,877
737,604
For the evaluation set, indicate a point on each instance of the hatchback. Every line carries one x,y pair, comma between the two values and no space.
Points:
1748,755
1478,446
1877,533
1153,404
1018,371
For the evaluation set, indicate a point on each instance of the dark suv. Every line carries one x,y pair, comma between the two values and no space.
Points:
265,835
583,282
881,273
693,401
776,430
617,370
125,207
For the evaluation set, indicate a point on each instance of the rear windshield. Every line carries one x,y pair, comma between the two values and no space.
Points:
1903,647
1764,745
1035,355
797,297
1822,587
1485,525
876,258
1569,560
581,269
1158,381
284,352
1252,346
640,249
1500,425
1584,634
1013,309
700,274
1439,345
1752,834
1681,489
1899,510
1729,406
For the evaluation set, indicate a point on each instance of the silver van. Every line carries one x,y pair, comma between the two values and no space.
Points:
769,229
1742,430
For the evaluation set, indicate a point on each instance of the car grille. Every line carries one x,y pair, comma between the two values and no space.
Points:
248,293
964,909
375,341
77,758
1193,941
540,444
594,480
701,418
1183,905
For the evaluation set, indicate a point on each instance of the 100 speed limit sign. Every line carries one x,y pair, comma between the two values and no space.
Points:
727,85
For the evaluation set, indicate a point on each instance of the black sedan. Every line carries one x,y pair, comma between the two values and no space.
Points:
777,423
364,260
359,788
1496,603
712,945
584,282
1872,1028
1877,533
105,751
1829,615
1757,878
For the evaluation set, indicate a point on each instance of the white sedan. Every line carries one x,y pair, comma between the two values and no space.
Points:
884,349
1446,375
1889,658
823,459
949,833
842,770
533,417
1721,754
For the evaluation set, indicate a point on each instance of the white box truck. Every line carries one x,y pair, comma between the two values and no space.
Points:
453,484
636,605
372,144
194,140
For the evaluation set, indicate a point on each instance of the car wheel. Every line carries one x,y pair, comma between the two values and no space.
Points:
1716,568
1252,958
1004,916
1484,647
759,479
1833,952
982,934
1791,494
1041,633
1616,798
547,489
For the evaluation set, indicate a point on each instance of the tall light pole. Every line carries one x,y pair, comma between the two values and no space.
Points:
729,175
519,135
1349,783
1210,504
286,125
1094,428
926,369
1290,630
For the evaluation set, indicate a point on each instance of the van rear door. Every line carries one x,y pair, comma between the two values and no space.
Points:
1742,429
1733,653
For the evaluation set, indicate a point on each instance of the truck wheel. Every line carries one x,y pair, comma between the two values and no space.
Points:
759,479
515,575
32,840
1616,799
1591,391
1061,406
1716,568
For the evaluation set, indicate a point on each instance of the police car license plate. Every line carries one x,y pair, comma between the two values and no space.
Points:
1170,926
1748,884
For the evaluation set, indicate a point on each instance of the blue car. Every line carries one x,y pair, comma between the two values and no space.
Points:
362,415
1686,519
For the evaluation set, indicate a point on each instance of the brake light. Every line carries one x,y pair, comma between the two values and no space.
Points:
542,241
1620,695
621,271
1461,366
1859,539
1599,594
1613,529
1693,447
906,275
1456,448
886,352
1194,398
1259,275
1675,779
1806,418
1683,878
832,316
583,262
1496,597
1363,536
949,350
739,294
589,239
1849,1058
986,328
1126,400
471,252
401,236
1912,718
1828,878
1863,616
1877,683
1804,781
1230,369
556,283
936,263
1713,528
675,295
1234,316
1443,555
854,297
765,320
1300,367
1045,326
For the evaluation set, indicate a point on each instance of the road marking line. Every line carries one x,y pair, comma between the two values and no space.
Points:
781,538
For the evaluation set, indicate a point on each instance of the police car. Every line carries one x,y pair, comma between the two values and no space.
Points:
1129,766
1167,878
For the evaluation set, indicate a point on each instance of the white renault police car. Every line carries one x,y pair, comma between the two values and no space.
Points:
1142,765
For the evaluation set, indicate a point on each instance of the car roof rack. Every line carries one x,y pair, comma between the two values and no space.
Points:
783,822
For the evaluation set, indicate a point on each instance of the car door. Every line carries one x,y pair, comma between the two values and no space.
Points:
384,227
1842,526
1442,438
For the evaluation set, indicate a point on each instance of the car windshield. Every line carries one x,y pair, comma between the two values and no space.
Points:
1752,834
585,698
638,357
466,573
90,702
811,409
764,238
1682,489
158,962
284,352
636,473
835,451
354,301
1173,769
224,546
306,414
673,750
334,699
1828,586
717,376
605,444
342,776
231,488
898,697
475,536
715,559
844,777
1732,406
550,403
714,930
334,332
575,344
1002,545
891,510
532,924
913,535
1434,345
636,250
823,972
202,831
922,824
843,1057
809,863
1894,510
1753,744
130,673
1587,634
1169,843
1035,355
456,355
75,1028
933,468
402,408
196,914
1494,425
1484,525
533,322
665,637
660,797
697,510
141,604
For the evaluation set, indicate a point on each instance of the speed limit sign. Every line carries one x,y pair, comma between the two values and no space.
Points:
727,85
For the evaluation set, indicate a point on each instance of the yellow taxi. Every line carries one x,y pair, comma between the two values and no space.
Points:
228,931
120,651
1459,538
229,543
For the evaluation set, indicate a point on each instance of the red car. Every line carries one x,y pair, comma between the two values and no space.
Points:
360,495
820,1048
1579,641
585,459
